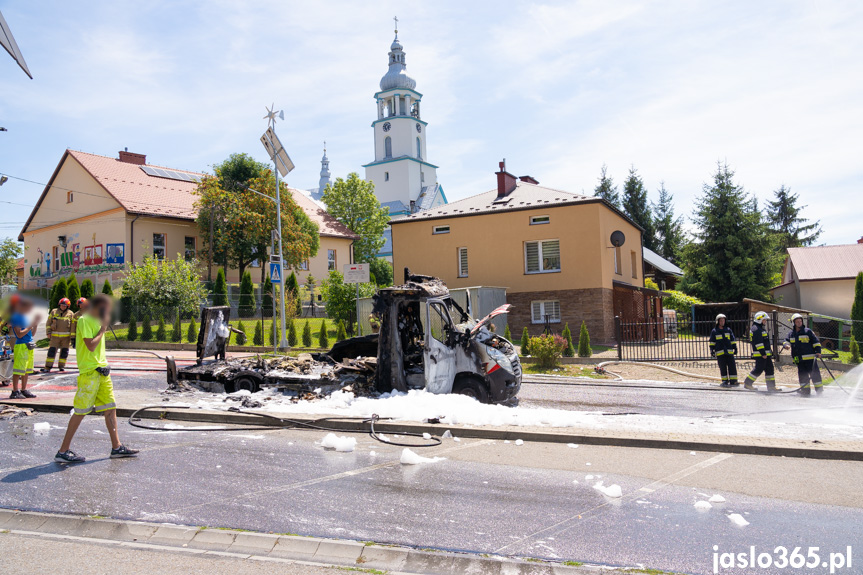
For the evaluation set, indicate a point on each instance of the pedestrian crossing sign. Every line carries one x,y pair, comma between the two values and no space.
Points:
276,272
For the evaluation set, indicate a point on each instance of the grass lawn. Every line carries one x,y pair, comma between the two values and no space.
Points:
248,327
569,369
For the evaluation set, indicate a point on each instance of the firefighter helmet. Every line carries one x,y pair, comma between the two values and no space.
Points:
720,316
760,317
64,300
81,301
795,317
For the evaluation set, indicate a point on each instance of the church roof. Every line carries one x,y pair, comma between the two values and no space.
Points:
396,77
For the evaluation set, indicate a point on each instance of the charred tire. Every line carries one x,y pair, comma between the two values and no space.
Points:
246,382
471,387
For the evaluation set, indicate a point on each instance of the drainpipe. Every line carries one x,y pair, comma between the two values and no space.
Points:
132,239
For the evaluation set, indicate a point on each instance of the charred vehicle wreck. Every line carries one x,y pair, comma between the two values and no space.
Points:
426,341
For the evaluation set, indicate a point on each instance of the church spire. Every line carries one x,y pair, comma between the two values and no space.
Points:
396,77
325,171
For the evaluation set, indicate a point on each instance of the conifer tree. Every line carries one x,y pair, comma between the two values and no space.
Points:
606,189
323,336
791,230
341,332
192,332
88,290
107,289
292,333
854,348
670,236
73,291
637,207
857,309
267,297
241,337
258,338
247,305
146,327
177,329
525,342
507,335
132,332
58,292
220,290
569,350
161,332
584,342
307,335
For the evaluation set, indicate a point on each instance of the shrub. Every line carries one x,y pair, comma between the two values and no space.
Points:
680,302
857,309
323,336
341,332
132,334
58,292
73,291
855,351
146,328
177,329
220,290
307,335
547,349
258,338
506,333
584,342
569,350
247,296
525,342
88,290
161,332
267,297
292,333
192,332
275,335
107,289
241,337
125,305
650,284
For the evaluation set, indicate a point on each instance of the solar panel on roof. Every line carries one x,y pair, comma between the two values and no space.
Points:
170,174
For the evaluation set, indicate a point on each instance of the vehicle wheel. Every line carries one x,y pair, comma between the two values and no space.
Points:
244,382
471,387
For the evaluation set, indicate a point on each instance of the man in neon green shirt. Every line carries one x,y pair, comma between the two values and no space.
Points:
95,390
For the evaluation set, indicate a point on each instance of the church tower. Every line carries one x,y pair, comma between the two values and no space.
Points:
325,172
405,181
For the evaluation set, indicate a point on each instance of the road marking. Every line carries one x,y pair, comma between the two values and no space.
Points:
324,479
649,488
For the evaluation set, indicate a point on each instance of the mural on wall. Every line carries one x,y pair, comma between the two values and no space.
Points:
90,259
116,254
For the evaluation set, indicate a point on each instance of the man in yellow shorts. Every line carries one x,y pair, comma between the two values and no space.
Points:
95,390
22,331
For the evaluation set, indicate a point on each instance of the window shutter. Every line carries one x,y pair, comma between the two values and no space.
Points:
551,255
531,255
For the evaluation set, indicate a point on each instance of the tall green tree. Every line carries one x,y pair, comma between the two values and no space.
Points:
381,271
606,189
10,253
857,308
220,290
791,229
353,203
168,283
267,297
340,299
734,254
247,296
637,207
670,236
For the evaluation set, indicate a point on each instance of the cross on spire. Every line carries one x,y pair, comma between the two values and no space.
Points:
396,20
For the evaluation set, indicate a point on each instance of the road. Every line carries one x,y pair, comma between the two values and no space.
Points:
486,496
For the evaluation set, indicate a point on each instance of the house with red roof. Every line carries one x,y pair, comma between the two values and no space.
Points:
97,214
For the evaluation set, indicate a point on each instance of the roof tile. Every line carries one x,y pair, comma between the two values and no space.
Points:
826,262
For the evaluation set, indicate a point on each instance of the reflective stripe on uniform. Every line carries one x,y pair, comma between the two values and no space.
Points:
720,352
807,357
759,346
756,354
61,334
105,407
83,411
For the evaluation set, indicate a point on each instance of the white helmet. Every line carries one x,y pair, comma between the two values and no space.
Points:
760,317
795,317
720,316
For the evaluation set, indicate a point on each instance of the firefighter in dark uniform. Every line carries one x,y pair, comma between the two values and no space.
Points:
59,329
723,347
805,349
761,353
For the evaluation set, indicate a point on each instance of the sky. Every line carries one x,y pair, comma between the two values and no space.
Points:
775,89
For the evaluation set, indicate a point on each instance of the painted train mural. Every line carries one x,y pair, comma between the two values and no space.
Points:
90,259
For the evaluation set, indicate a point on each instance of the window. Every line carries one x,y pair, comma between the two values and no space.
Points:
540,309
440,230
634,260
537,220
388,147
419,149
159,246
304,266
70,196
56,258
190,244
542,256
462,262
438,322
617,261
386,176
331,260
422,176
255,264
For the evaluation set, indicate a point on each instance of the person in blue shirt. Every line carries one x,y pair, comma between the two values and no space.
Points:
22,331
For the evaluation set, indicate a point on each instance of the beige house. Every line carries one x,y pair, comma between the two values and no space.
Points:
550,249
821,279
98,213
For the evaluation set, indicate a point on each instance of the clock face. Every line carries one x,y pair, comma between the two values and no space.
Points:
387,126
419,127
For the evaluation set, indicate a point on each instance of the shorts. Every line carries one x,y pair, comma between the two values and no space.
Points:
95,393
23,360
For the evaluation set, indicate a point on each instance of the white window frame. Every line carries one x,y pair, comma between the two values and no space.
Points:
331,260
437,230
542,270
163,247
304,266
617,269
543,305
539,220
462,262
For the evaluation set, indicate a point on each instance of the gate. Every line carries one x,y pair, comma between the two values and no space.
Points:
673,339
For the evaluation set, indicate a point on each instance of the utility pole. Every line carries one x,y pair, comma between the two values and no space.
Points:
210,251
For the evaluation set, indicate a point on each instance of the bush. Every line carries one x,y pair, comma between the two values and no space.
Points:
241,337
192,332
857,309
177,329
267,297
220,290
247,296
169,283
547,349
58,292
146,328
161,332
107,289
525,342
680,302
506,333
650,284
73,291
855,351
323,336
275,335
258,338
307,335
292,333
569,350
341,332
88,290
126,311
584,342
132,333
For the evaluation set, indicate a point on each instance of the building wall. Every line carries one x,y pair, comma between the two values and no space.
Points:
318,265
88,197
828,297
594,306
787,295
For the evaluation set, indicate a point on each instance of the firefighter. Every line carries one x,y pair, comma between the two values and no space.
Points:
805,350
723,347
761,353
58,328
83,304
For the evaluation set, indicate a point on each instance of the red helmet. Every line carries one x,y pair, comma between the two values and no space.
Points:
81,301
65,300
14,299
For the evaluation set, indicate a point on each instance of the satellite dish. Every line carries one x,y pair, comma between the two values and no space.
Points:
617,238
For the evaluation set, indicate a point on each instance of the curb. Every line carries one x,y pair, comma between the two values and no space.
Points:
805,450
357,555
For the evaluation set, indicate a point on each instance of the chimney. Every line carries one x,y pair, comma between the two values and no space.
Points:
506,182
860,241
529,179
133,158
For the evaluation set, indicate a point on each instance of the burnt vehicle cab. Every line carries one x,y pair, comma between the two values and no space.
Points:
428,342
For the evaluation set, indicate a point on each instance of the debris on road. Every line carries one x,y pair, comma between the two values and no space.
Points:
10,412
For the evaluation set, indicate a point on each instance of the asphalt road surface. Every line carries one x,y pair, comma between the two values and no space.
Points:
487,497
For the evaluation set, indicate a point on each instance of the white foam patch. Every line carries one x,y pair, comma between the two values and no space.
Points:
738,519
42,427
716,499
609,491
343,444
410,458
703,506
572,445
447,434
519,442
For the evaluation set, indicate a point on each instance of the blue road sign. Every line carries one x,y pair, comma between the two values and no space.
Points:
276,272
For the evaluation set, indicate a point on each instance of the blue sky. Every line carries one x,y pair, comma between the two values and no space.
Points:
557,88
